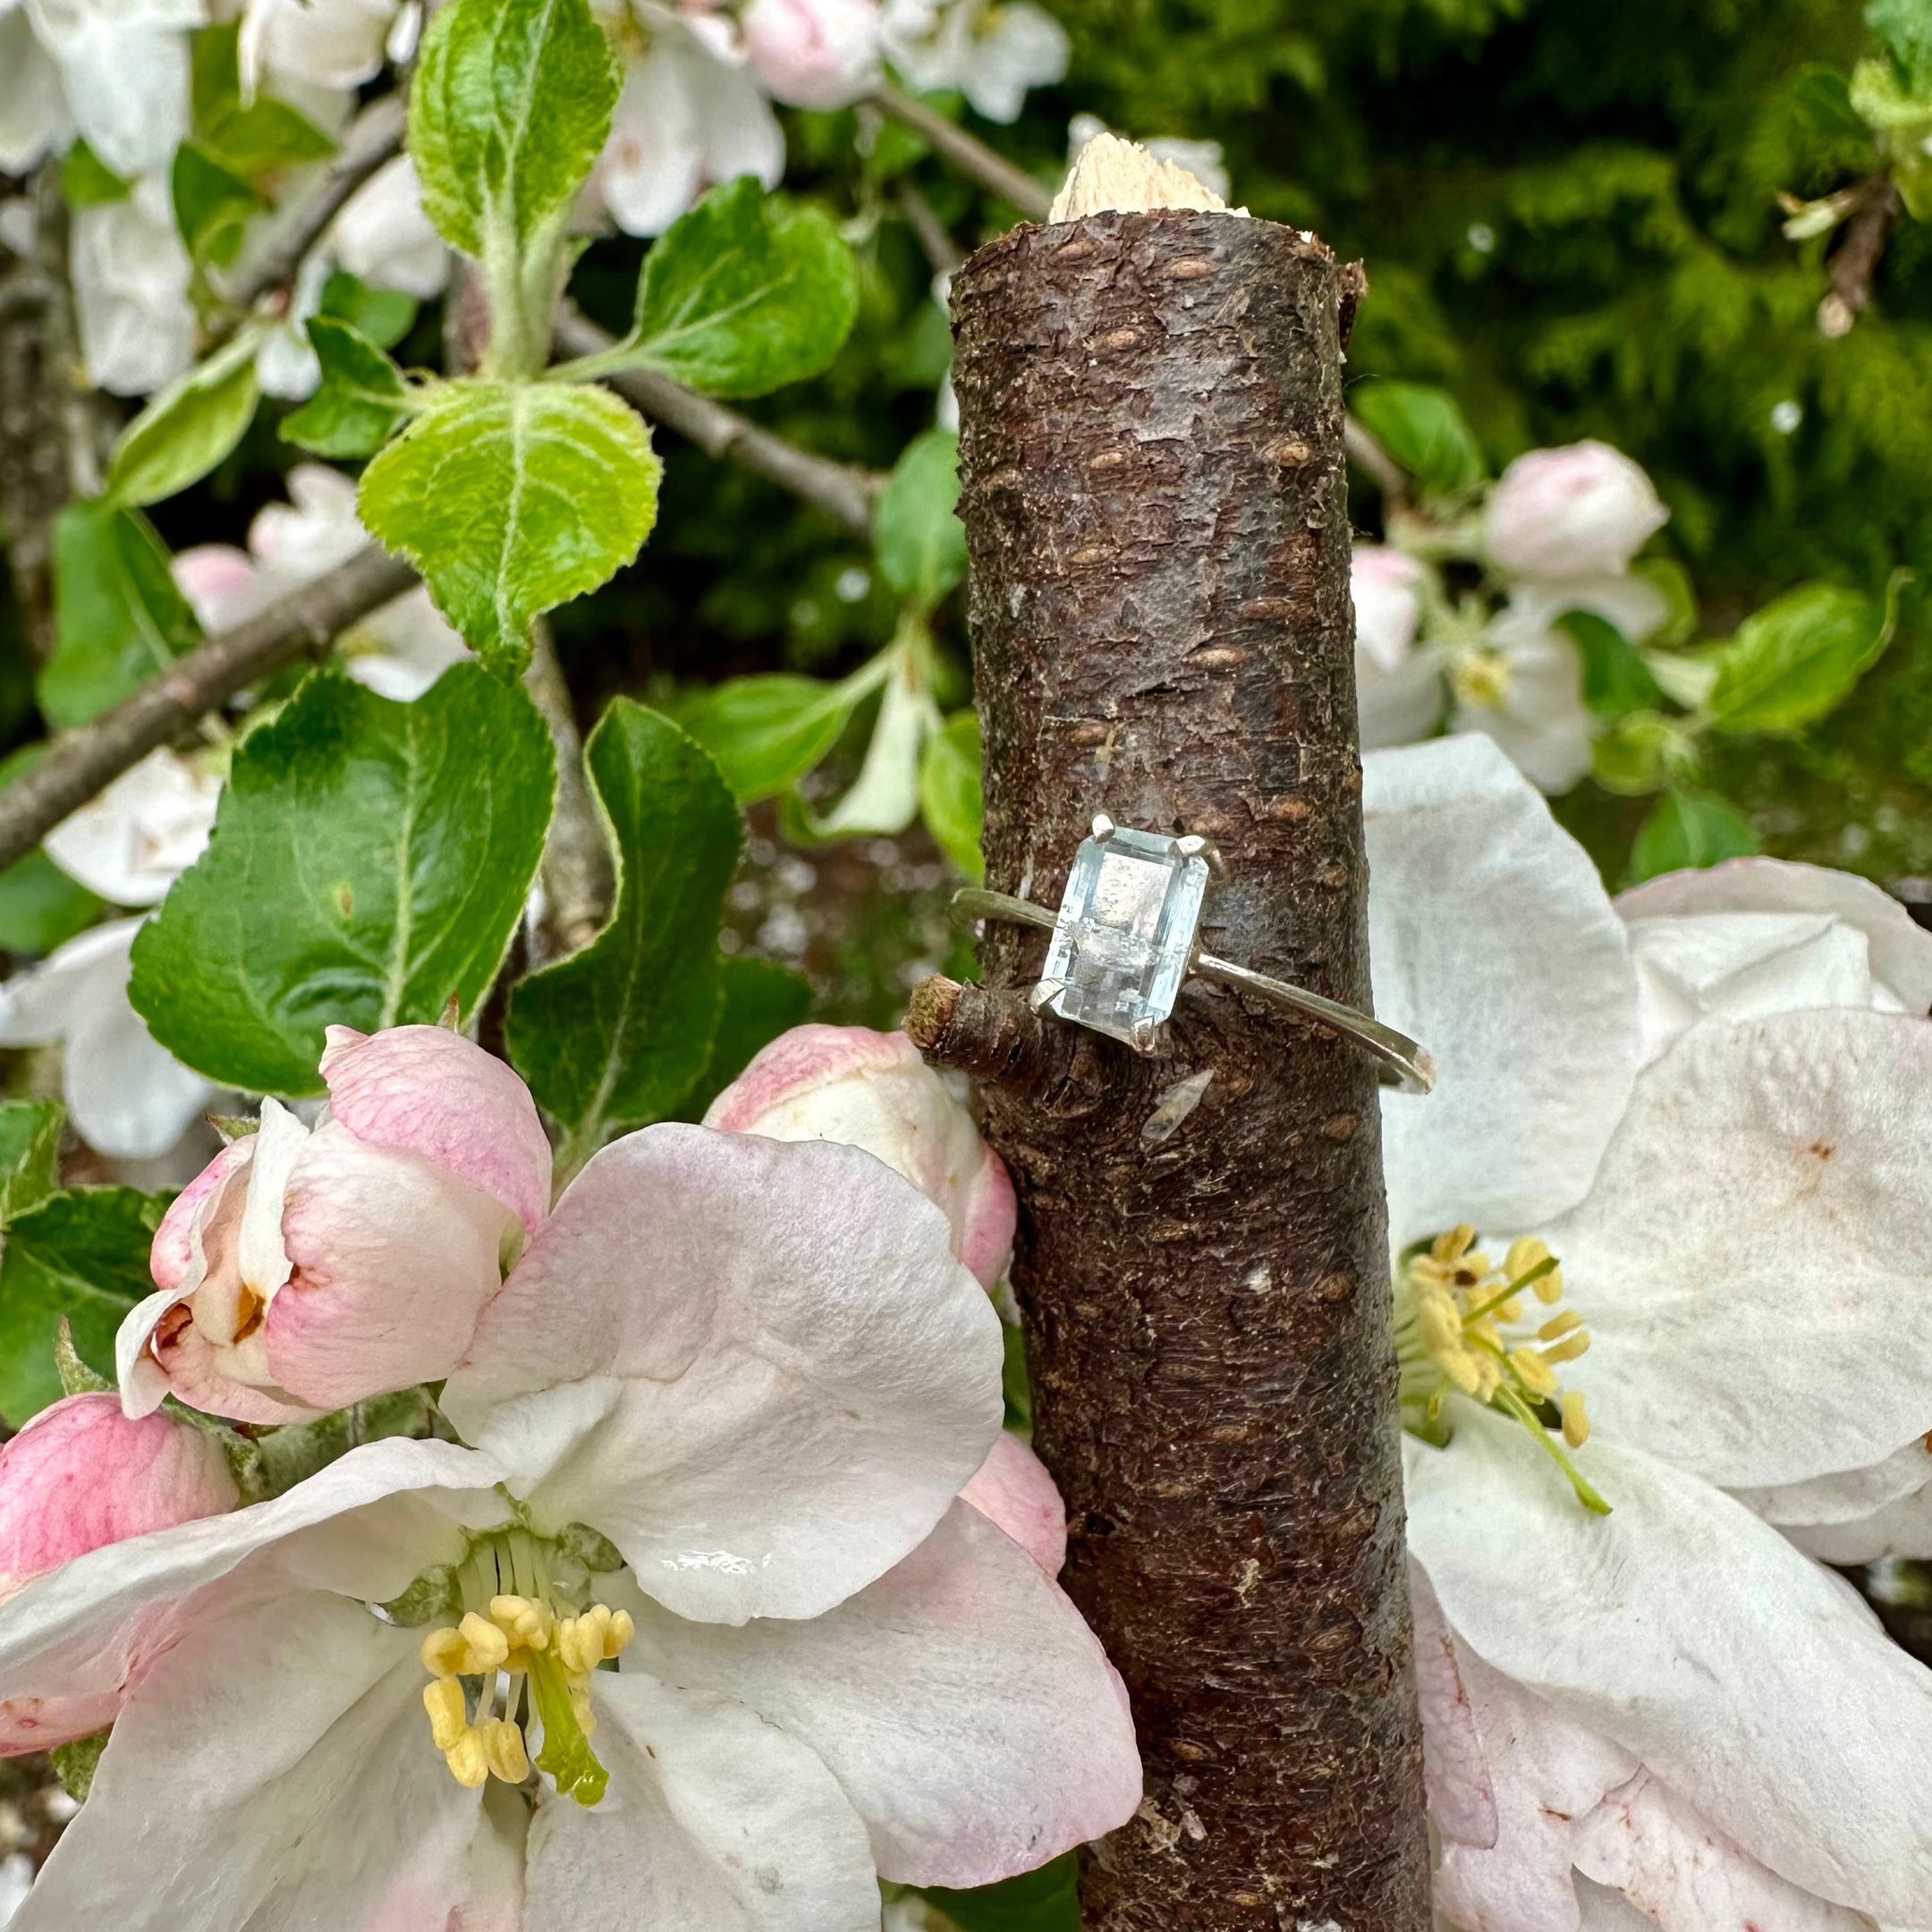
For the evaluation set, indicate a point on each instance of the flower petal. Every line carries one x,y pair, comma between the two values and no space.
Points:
872,1090
1751,1259
80,1474
714,1818
971,1715
85,1630
273,1767
424,1090
172,1260
1460,1798
1900,950
1901,1528
754,1365
131,842
1014,1490
1775,1705
392,1258
1685,1875
1493,943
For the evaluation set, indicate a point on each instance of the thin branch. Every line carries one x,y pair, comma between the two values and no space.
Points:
966,152
933,236
1375,462
276,257
1855,263
842,492
83,762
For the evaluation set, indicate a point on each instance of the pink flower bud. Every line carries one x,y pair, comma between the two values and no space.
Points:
872,1090
305,1269
814,53
81,1475
1583,511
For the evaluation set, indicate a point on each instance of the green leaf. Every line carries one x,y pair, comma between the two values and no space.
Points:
370,863
1799,657
189,427
1043,1901
746,293
1690,829
264,137
383,316
766,733
1424,430
951,799
363,399
616,1034
119,616
1823,95
30,1155
511,108
212,205
762,1000
512,498
1905,28
885,797
40,907
1638,753
83,1255
88,181
921,541
1616,680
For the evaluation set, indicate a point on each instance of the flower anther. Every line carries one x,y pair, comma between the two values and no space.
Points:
1462,1326
522,1650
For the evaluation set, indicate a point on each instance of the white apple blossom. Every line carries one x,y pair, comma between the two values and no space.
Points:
722,1412
131,276
335,43
115,71
1701,1127
1581,511
994,52
399,650
131,842
820,53
1399,691
692,114
127,1097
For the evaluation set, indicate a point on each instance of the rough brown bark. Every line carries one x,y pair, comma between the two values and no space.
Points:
1153,494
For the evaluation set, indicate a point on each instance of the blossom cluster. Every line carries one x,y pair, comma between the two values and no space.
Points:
1558,533
701,78
711,1592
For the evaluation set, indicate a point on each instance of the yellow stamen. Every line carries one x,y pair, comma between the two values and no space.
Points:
1558,1325
622,1629
521,1621
1569,1349
1575,1419
443,1652
504,1745
1535,1375
449,1716
469,1760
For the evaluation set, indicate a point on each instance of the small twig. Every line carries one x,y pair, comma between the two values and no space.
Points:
83,762
1854,262
842,492
966,152
933,236
285,239
1367,453
578,881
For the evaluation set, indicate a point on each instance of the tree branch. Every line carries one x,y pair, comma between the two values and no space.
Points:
285,239
1162,631
81,762
966,152
843,493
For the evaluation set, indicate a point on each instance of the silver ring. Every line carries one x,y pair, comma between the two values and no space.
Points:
1126,937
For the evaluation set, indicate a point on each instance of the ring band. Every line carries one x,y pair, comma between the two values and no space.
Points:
1124,941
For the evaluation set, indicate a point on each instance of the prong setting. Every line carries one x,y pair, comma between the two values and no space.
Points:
1103,828
1044,993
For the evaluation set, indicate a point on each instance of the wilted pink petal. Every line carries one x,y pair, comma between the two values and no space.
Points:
424,1090
1461,1800
1014,1490
872,1090
392,1258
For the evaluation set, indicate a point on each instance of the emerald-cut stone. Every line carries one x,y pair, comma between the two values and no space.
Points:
1125,933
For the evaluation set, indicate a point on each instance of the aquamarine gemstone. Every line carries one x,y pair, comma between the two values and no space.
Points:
1125,933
